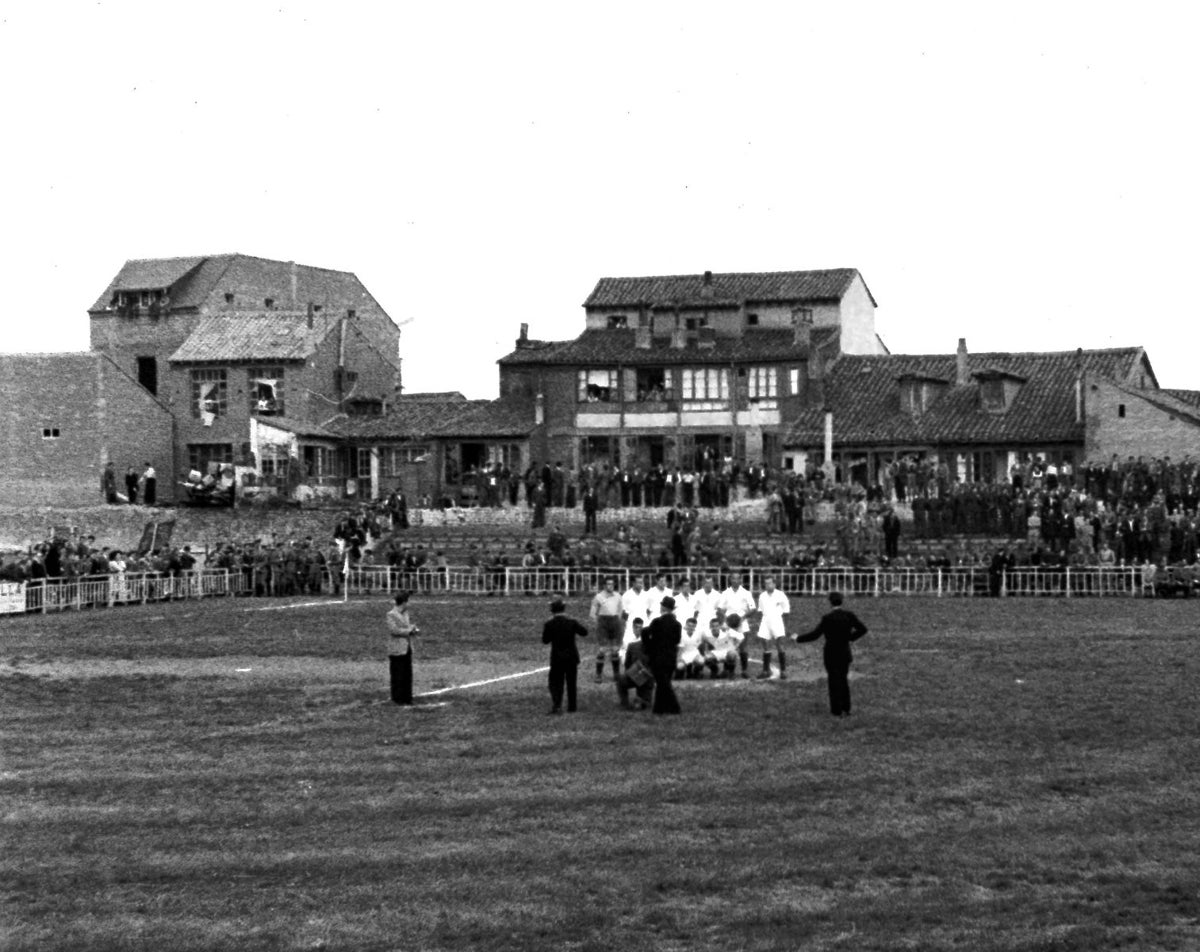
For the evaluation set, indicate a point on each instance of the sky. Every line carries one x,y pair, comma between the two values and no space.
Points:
1021,175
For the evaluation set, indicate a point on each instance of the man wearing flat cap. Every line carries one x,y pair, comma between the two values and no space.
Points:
661,641
559,633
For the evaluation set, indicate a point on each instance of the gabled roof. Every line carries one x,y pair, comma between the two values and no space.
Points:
609,347
442,418
865,399
1167,400
430,396
147,274
298,427
194,282
690,290
240,339
1184,396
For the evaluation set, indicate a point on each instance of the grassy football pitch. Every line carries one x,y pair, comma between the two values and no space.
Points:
212,775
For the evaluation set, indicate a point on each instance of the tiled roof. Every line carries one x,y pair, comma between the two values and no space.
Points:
194,282
146,274
1184,396
241,339
299,428
447,395
445,418
611,347
1168,400
689,289
865,399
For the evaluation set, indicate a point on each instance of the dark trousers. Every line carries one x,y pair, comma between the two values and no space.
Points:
839,686
151,493
589,521
665,701
563,673
400,668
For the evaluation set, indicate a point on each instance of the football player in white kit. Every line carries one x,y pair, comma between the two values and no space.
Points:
654,597
633,605
736,600
685,606
724,641
772,606
706,604
690,659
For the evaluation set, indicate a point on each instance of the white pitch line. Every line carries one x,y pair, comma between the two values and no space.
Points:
479,684
280,608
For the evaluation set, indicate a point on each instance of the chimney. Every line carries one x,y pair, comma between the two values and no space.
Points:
828,439
962,376
706,288
295,281
708,279
678,334
802,322
641,337
816,378
523,340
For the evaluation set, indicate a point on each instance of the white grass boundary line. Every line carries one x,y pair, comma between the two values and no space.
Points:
479,684
282,608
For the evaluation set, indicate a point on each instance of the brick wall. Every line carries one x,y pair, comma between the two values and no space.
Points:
136,429
1143,430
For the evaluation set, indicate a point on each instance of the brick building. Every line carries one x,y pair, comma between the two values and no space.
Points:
65,416
674,370
253,358
981,413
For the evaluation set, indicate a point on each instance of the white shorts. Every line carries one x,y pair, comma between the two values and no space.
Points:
771,629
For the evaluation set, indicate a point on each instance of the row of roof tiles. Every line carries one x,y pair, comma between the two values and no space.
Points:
697,290
610,347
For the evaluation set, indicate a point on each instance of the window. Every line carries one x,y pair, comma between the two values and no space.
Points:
752,320
707,383
49,433
265,387
1121,410
319,461
147,373
762,383
794,381
597,386
268,303
209,394
695,323
228,297
273,460
617,321
200,455
392,459
652,384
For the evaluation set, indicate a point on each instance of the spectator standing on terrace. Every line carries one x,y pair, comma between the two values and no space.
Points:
108,484
560,633
401,631
591,504
131,485
606,614
839,628
149,485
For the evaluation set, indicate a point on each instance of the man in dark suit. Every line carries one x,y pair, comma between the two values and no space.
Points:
839,627
891,533
559,633
661,642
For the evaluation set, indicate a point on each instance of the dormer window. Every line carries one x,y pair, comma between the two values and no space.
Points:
752,320
268,303
918,392
997,389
